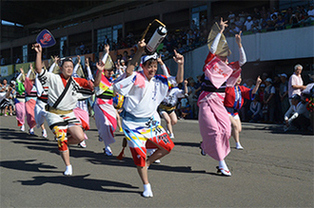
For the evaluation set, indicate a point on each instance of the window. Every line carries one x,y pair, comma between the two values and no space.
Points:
24,53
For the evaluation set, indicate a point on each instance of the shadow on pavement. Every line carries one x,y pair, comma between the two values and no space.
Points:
37,143
80,182
27,165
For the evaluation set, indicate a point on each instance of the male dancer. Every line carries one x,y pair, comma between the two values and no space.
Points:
63,93
143,92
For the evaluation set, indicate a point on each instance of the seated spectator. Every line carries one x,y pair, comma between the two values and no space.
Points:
125,57
297,116
231,17
294,20
310,13
256,14
306,21
248,24
187,112
164,53
255,113
238,23
280,23
234,29
242,17
179,49
269,25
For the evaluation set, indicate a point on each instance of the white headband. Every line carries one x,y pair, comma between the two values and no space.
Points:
148,57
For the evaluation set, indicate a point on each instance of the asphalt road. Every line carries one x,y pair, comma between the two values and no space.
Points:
275,169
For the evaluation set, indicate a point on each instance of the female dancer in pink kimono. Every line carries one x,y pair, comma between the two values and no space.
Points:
214,122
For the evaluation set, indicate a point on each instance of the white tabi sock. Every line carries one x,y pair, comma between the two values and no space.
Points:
44,133
68,170
222,164
238,145
147,190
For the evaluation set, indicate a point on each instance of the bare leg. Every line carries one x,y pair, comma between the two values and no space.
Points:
159,153
66,157
236,129
168,121
119,121
77,135
142,171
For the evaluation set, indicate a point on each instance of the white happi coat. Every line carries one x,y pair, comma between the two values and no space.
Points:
78,89
142,96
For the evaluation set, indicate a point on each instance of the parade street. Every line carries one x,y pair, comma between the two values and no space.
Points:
275,169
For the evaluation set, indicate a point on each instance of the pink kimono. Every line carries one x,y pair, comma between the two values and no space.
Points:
214,122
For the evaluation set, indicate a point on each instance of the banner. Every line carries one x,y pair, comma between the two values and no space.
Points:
45,39
6,70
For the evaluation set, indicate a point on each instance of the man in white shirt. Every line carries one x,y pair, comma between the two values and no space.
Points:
248,24
295,85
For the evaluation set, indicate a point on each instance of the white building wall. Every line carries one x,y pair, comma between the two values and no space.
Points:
277,45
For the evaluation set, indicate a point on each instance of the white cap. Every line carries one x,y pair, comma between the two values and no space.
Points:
283,75
268,80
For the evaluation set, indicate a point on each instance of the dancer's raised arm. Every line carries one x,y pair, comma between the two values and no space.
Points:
38,62
180,61
132,64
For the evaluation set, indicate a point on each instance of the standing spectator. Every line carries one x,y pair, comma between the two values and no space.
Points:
193,25
283,93
295,85
269,100
106,41
18,60
190,36
203,23
82,48
278,113
101,47
248,24
77,49
2,61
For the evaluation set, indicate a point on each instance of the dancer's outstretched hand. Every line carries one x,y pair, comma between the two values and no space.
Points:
100,66
238,37
223,24
258,80
37,47
178,57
